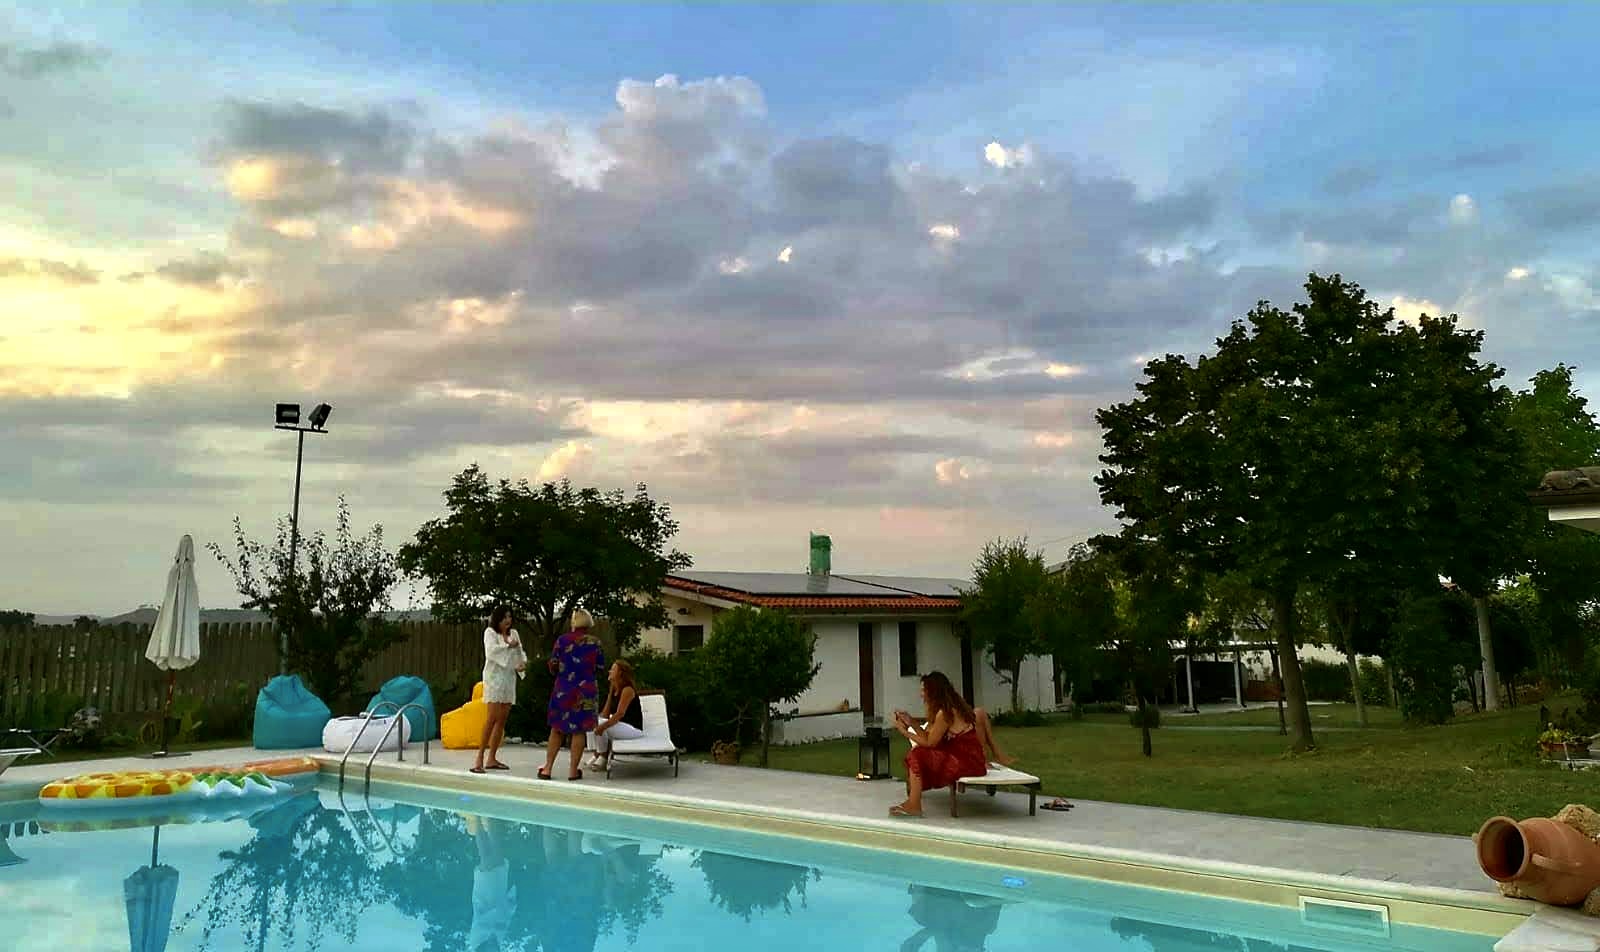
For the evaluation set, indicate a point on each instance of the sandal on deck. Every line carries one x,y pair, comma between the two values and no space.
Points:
898,810
498,766
542,775
1056,804
577,775
474,770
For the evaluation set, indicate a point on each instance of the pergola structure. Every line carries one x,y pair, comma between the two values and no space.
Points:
1238,649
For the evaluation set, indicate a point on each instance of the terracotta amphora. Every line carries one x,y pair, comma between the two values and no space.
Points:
1547,860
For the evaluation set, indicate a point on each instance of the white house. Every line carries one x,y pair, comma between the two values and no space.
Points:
876,636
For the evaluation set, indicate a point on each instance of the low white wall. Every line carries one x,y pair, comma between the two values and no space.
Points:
806,730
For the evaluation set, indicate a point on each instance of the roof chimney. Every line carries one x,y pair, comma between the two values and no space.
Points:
821,554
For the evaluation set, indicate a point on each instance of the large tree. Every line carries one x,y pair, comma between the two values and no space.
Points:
327,600
1304,439
1007,578
1076,613
1559,432
545,550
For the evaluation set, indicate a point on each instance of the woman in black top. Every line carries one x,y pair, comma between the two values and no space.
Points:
621,716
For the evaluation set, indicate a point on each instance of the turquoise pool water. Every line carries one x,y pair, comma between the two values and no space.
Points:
435,871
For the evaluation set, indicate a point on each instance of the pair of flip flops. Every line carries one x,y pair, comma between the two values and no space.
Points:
1057,804
490,767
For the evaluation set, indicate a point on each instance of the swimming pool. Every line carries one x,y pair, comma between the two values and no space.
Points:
435,870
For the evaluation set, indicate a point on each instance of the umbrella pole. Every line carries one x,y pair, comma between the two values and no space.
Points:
166,712
155,845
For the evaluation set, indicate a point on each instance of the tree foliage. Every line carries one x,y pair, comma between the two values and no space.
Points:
1309,437
545,550
1002,609
1076,613
12,618
759,657
329,599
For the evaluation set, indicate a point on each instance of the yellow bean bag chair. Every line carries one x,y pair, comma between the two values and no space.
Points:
462,728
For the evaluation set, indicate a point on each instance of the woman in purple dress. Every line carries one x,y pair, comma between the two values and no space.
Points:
576,660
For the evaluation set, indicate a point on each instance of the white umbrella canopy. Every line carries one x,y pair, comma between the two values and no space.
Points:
175,640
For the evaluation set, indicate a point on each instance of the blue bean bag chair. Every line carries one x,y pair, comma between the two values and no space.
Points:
408,690
288,716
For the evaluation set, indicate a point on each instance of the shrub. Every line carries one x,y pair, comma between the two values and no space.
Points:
700,715
1325,680
1374,682
1147,715
230,717
1019,719
1425,658
1104,707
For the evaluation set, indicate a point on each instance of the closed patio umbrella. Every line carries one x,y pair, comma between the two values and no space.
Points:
149,894
175,640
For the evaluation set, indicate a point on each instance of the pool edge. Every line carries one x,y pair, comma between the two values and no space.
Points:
1433,907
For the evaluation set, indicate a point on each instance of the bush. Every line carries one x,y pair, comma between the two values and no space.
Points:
1325,680
1426,656
1104,707
1374,683
1146,716
1019,719
700,715
231,717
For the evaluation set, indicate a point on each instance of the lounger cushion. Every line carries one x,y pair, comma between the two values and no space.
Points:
657,737
999,776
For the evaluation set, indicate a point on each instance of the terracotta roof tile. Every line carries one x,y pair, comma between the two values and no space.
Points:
828,602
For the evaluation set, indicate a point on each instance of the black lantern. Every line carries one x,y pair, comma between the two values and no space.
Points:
874,755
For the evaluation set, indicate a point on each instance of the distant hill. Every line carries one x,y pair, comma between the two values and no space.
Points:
147,616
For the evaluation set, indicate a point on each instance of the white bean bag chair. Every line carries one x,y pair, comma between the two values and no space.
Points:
342,730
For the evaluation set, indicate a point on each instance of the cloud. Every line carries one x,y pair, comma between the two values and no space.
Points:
1561,207
44,269
1463,210
1350,180
1001,157
203,270
33,62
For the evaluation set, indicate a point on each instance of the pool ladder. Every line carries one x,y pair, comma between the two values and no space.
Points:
399,718
366,792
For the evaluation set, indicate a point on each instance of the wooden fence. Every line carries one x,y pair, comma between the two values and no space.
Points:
106,669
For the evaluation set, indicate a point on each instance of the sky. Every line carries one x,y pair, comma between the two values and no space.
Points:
863,270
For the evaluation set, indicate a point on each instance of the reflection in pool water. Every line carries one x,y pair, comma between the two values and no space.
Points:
306,874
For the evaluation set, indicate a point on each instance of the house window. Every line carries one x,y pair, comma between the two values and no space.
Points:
908,649
687,638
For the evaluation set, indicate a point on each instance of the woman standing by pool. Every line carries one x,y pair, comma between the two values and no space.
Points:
503,660
946,751
576,660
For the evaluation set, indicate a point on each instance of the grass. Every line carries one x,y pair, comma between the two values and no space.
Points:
1446,779
69,755
1322,715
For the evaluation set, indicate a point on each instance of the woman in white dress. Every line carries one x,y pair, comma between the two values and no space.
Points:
503,662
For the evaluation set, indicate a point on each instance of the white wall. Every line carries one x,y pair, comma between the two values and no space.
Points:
839,678
696,613
992,693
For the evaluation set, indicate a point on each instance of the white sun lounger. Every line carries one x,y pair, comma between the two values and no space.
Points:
657,739
11,755
997,777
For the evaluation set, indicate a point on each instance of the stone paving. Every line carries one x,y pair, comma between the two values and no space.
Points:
1414,859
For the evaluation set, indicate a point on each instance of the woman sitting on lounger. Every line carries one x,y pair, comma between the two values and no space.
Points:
949,749
621,716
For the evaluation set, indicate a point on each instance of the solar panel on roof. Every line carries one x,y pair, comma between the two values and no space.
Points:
800,583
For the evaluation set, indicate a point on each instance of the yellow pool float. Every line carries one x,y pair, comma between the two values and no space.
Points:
252,781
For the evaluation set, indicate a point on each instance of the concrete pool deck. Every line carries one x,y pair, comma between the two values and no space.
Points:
1417,867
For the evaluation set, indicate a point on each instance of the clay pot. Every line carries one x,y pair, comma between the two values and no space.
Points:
1547,860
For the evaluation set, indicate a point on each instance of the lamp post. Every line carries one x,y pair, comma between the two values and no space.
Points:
289,419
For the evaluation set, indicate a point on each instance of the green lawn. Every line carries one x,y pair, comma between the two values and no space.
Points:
1442,780
1322,715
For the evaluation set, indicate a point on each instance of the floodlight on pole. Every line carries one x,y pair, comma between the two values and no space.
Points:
289,419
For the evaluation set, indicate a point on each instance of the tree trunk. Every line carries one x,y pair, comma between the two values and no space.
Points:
1355,684
1388,674
766,730
1016,684
1491,678
1144,726
1294,688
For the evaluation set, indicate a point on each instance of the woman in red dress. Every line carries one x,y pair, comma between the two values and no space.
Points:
946,750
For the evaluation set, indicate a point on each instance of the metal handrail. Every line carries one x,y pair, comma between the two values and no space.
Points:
357,739
401,750
356,827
